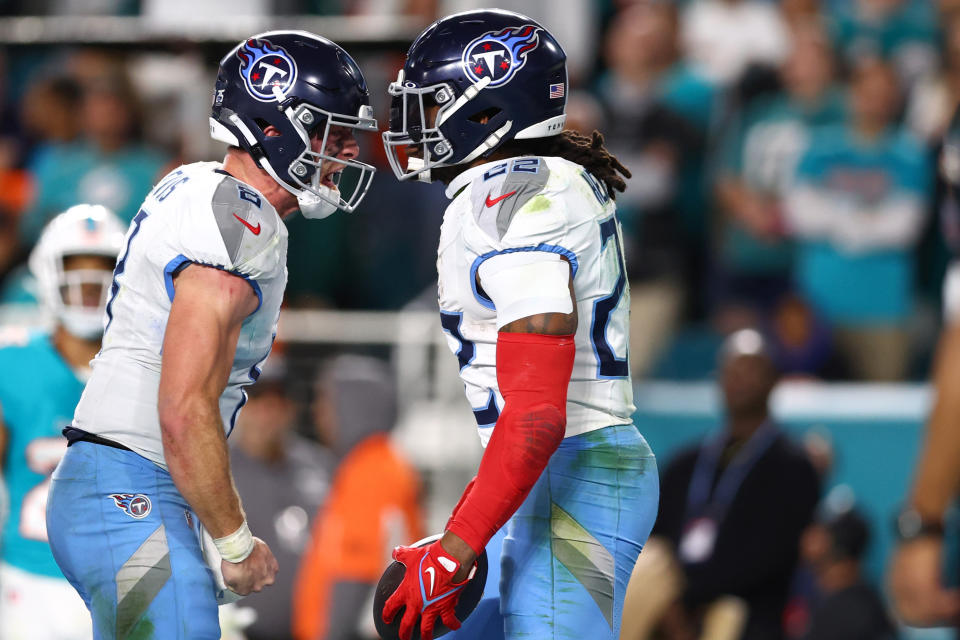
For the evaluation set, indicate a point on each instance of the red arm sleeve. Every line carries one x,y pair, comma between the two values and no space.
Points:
533,372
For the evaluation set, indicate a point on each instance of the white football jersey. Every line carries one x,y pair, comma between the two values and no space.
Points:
196,214
538,204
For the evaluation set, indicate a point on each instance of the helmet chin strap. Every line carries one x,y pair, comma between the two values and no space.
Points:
313,207
83,323
417,164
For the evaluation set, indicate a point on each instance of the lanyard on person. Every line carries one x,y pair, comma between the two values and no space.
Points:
705,508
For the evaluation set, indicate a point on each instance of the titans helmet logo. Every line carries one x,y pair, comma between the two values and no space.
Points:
498,55
265,66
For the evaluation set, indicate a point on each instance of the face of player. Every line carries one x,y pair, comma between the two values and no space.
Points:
83,288
342,144
430,118
86,281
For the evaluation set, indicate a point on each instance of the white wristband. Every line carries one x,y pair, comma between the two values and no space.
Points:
236,546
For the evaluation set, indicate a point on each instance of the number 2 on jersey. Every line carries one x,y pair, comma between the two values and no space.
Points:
42,454
609,365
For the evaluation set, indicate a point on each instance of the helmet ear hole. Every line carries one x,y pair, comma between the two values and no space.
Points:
485,116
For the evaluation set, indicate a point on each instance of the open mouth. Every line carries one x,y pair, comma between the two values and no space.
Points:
331,175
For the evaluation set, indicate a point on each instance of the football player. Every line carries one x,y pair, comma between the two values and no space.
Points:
922,592
191,316
534,301
71,262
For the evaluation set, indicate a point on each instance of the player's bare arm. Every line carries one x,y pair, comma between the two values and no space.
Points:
199,345
915,578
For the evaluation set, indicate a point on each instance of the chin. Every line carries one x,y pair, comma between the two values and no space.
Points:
285,211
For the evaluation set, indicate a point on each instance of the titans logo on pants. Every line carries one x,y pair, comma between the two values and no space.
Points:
498,55
265,66
135,505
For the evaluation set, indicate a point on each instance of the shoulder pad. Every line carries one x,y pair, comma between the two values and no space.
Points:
506,188
247,222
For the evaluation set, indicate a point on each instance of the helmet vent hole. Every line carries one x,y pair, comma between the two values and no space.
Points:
482,117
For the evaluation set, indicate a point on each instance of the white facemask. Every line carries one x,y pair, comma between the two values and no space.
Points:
82,322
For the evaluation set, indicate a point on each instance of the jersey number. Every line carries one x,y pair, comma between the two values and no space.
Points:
610,366
450,321
122,264
43,455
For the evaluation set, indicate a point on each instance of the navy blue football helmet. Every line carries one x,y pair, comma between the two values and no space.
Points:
303,85
471,82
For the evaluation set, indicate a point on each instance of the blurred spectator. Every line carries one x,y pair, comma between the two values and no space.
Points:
283,479
757,166
50,113
373,503
584,112
800,341
903,31
49,117
935,96
735,506
848,608
800,13
657,112
107,166
724,37
856,209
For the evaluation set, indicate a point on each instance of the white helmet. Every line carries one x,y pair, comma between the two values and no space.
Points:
88,230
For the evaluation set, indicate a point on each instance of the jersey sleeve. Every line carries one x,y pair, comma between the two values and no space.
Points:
539,218
235,229
519,205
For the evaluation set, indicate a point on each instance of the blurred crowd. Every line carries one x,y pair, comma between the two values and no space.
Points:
784,177
783,159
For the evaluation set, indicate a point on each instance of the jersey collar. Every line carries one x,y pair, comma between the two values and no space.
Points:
457,184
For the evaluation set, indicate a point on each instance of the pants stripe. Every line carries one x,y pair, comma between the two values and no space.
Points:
585,557
140,579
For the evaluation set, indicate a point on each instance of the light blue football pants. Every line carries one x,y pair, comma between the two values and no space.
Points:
141,577
569,550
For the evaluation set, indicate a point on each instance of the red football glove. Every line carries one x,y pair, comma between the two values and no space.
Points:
427,590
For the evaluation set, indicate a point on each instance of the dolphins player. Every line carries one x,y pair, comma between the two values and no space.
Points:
71,262
534,300
191,316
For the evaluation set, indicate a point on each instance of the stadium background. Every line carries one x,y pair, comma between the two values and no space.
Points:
703,101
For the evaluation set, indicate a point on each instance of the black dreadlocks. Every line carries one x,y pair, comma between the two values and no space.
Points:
587,151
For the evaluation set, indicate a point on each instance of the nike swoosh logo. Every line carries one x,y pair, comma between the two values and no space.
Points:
431,571
493,201
255,230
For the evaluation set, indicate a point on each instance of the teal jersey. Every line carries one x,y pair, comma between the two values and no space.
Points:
689,94
873,287
38,393
911,25
763,150
72,173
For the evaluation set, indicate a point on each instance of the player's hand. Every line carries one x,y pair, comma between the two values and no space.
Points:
255,572
429,571
917,587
